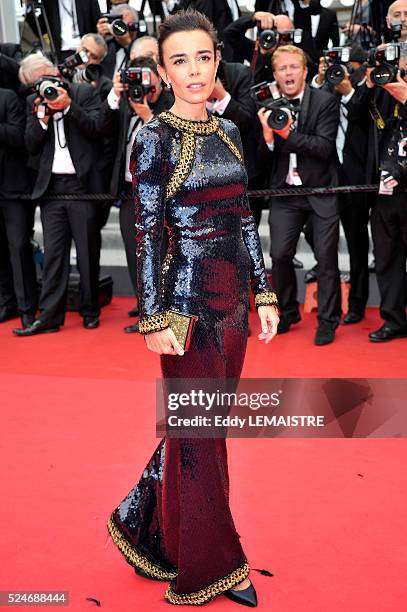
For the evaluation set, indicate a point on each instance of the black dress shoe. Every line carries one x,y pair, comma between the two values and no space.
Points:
311,276
246,597
325,334
386,333
90,322
297,263
6,314
142,573
286,321
132,329
27,319
37,327
134,312
352,317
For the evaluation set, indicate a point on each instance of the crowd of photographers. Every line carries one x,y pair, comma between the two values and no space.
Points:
311,114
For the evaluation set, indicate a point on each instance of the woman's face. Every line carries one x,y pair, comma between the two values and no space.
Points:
190,65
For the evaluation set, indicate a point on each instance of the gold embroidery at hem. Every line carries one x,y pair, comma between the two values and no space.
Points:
266,298
134,558
216,588
153,323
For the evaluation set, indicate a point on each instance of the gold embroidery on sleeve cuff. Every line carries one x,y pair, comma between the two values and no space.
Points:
216,588
266,298
153,323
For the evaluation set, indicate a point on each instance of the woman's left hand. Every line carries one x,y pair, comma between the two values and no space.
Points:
269,319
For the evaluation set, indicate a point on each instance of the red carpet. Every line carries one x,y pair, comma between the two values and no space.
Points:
326,517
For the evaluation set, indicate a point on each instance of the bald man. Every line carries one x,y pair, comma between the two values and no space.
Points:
146,46
398,13
244,48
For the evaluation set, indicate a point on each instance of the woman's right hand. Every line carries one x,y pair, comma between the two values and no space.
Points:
164,342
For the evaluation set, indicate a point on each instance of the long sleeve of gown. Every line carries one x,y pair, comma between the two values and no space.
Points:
148,171
263,291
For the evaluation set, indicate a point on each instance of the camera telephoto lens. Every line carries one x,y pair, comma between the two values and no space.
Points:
278,119
384,74
119,27
136,94
268,39
335,74
48,91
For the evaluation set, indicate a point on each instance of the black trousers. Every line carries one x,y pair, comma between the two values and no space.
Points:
354,214
287,218
389,232
63,220
18,282
260,181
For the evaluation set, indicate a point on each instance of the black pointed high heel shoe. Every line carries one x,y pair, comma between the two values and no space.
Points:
246,597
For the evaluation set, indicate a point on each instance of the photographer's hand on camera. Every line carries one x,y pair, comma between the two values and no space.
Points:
118,86
320,77
62,102
266,20
268,133
104,28
141,110
398,89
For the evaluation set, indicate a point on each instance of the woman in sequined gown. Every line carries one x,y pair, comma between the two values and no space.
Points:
189,177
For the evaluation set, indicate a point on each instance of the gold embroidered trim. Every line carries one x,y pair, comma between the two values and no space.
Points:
188,125
266,298
133,557
216,588
229,142
153,323
184,165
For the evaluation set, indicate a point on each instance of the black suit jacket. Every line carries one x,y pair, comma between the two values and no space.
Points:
237,80
116,123
10,58
328,29
88,13
314,142
80,124
218,11
14,177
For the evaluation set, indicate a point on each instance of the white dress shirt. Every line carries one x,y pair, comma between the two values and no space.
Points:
234,9
293,177
315,19
219,106
70,36
62,162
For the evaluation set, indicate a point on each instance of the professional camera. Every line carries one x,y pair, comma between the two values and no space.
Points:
271,38
388,59
139,82
90,73
268,96
336,58
120,27
395,30
46,88
69,66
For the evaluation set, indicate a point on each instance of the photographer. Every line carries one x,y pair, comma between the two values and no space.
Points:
342,72
18,283
231,99
130,105
120,28
68,21
397,15
304,154
247,49
388,107
60,138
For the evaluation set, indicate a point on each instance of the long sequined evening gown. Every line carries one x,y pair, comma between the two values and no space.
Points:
176,524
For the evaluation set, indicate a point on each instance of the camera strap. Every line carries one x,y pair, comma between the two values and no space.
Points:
255,56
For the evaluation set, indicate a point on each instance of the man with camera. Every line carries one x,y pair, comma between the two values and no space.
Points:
120,28
60,138
301,130
18,283
269,30
397,17
137,95
342,72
